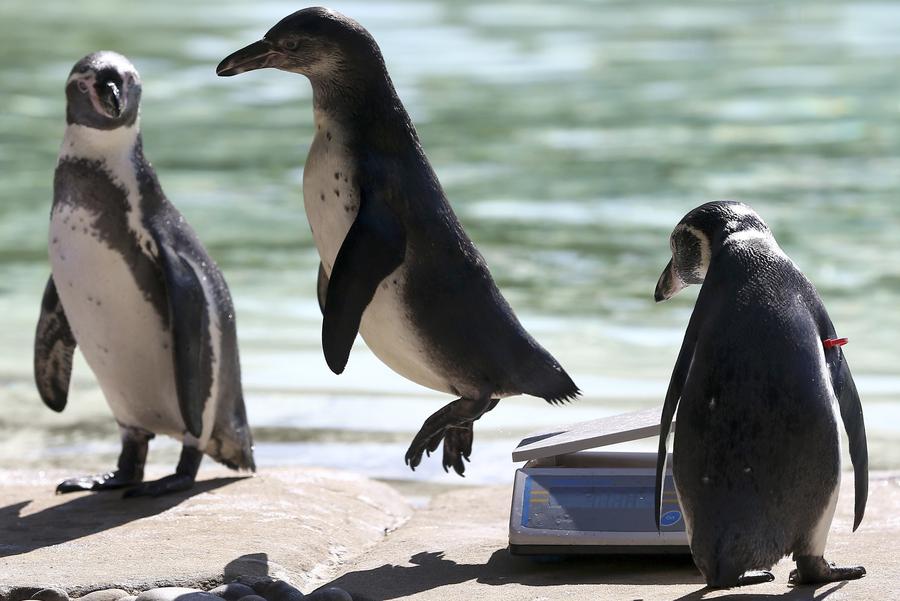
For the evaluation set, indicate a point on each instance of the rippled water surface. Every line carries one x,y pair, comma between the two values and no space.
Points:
570,138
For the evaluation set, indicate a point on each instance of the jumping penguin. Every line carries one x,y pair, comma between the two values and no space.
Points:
760,379
133,287
396,265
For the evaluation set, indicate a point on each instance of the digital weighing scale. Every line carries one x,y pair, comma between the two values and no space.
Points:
569,500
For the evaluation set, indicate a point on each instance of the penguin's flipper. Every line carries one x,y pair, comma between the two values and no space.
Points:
54,346
852,416
673,395
373,248
189,320
322,288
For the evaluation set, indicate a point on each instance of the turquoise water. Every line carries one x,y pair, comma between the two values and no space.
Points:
570,139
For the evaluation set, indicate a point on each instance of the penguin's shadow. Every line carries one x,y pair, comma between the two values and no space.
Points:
797,593
431,570
83,515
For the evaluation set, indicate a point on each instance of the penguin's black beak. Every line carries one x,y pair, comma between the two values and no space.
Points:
257,55
111,99
668,285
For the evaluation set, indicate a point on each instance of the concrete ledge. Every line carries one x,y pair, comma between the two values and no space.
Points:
293,524
455,550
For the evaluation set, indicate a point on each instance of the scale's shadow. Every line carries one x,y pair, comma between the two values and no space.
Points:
431,570
84,515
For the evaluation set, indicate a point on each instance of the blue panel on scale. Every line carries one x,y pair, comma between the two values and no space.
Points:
597,503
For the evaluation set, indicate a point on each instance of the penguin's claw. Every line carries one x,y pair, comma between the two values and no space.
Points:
163,486
815,570
107,481
457,447
421,445
453,458
749,578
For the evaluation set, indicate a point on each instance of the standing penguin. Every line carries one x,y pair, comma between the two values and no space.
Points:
396,265
134,288
760,379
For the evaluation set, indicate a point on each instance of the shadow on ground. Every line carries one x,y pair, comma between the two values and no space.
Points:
83,515
252,565
797,593
431,570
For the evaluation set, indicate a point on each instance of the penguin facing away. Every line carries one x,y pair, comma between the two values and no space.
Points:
758,384
396,265
135,290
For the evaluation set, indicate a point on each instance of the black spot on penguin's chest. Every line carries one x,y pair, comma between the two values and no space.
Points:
85,184
333,181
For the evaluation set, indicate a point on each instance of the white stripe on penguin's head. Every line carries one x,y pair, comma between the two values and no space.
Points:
702,266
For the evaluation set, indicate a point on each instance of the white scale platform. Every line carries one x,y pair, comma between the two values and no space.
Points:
568,499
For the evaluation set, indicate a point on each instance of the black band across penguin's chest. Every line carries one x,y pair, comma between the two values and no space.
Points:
83,184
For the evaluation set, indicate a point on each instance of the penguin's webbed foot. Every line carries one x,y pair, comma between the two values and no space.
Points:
163,486
452,423
815,570
107,481
754,577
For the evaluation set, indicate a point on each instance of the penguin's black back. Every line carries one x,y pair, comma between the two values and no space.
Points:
757,450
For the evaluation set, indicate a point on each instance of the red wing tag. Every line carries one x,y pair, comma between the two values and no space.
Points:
832,342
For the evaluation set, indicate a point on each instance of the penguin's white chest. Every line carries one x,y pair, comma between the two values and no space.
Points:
331,200
120,333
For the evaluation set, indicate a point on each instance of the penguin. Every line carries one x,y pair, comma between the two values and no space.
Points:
134,289
396,265
759,383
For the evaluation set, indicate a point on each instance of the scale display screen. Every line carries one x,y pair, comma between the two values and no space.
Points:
594,503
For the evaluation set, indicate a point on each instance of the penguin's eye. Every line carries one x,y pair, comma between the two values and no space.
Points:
82,85
289,44
129,79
